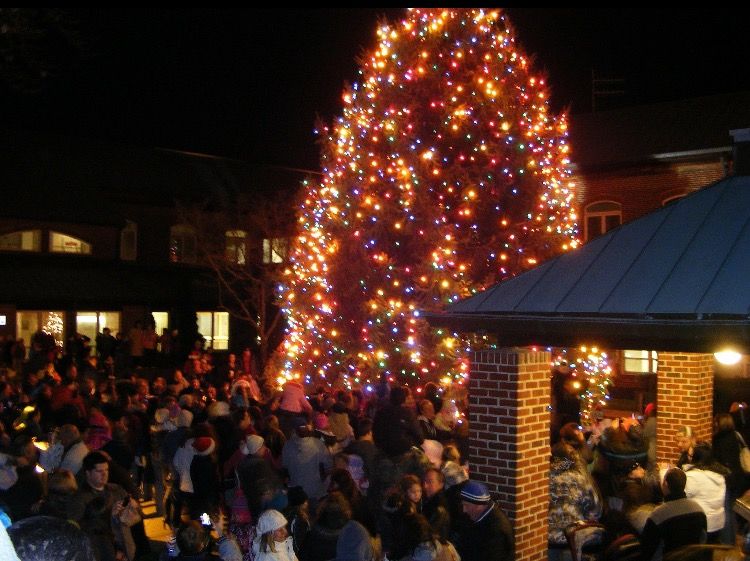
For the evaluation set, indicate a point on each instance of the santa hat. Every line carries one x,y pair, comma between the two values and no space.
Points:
204,445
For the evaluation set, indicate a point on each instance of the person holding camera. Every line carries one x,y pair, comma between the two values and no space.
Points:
194,542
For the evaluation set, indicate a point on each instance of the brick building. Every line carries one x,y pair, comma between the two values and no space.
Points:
92,236
634,160
631,161
673,281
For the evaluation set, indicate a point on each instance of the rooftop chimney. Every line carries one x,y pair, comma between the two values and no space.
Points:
740,151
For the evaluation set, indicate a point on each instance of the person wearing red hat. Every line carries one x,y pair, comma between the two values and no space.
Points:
197,475
204,472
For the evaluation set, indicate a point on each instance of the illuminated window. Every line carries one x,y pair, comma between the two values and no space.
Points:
275,250
182,244
602,217
27,240
214,326
62,243
161,321
129,242
29,322
91,323
236,246
641,362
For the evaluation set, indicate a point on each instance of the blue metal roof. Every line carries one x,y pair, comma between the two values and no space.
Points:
691,258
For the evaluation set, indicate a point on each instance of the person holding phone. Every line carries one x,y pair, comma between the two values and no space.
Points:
97,507
193,542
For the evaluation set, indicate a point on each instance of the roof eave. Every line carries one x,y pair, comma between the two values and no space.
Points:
658,333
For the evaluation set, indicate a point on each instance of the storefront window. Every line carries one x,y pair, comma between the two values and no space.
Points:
214,326
27,240
62,243
92,323
29,322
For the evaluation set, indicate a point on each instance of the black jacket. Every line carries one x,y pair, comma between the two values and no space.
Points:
488,539
395,430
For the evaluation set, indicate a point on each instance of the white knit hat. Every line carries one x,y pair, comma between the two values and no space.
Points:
218,409
270,521
184,418
253,443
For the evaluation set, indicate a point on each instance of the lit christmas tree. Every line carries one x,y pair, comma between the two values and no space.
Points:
445,173
590,377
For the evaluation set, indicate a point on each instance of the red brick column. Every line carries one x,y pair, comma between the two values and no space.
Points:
685,390
509,396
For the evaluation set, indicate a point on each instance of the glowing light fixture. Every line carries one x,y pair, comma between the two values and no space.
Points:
728,357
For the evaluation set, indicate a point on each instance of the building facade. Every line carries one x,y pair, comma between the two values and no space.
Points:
635,160
95,236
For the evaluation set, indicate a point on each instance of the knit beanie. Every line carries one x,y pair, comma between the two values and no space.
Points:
270,521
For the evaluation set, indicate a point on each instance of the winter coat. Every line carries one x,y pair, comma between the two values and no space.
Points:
396,429
708,489
489,538
284,551
305,458
571,498
183,461
293,398
320,544
726,449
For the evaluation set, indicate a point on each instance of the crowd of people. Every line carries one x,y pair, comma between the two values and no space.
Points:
238,468
645,509
242,470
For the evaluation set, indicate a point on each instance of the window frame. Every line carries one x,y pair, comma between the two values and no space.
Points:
275,250
236,244
651,359
218,318
85,247
615,210
36,234
185,251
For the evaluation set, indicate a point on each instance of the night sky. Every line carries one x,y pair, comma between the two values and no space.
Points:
249,84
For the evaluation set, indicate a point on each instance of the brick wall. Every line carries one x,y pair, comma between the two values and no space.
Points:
642,189
509,417
685,385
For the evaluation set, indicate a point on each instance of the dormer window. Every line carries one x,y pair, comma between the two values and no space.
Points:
601,217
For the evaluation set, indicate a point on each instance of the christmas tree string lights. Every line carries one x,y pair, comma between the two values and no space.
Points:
445,173
593,368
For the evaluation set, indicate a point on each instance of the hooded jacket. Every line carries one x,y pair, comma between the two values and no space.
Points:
708,489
